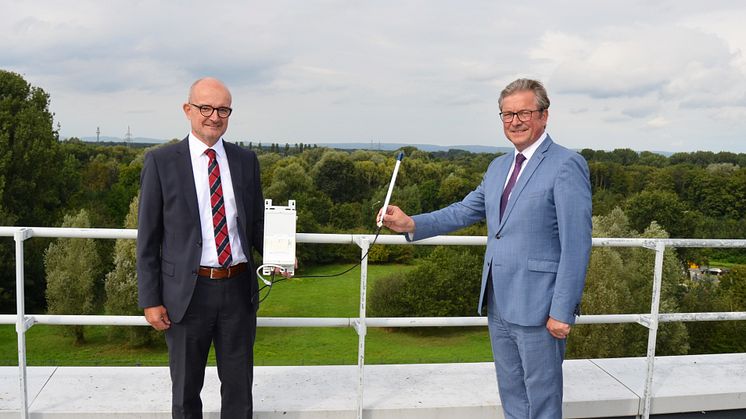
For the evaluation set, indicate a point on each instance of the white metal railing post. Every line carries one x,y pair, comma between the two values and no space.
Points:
660,248
361,326
21,325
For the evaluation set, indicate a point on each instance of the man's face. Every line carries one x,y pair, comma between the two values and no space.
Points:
208,129
523,133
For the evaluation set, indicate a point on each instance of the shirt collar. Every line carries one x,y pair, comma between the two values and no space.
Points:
530,150
197,148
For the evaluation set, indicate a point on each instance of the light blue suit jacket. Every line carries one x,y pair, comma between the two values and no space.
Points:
539,252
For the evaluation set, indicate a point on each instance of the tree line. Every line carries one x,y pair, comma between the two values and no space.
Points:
45,181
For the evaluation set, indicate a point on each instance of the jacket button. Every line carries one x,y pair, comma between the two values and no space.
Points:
497,236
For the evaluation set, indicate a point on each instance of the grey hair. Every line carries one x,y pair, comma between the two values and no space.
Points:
542,100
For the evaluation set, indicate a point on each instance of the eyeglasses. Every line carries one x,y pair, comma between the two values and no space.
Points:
207,110
523,116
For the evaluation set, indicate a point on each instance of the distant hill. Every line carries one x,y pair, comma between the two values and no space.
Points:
352,146
343,146
108,139
423,147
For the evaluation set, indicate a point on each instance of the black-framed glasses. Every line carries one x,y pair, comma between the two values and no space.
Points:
523,116
207,110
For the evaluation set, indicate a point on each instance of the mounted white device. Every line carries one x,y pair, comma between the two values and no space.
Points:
279,237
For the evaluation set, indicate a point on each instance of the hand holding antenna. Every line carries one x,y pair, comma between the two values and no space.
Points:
382,212
397,220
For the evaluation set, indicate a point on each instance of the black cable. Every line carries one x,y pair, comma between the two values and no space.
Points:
378,231
272,277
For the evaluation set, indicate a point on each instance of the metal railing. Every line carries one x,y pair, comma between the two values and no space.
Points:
650,320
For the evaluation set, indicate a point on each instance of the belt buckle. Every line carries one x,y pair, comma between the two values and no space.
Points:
215,273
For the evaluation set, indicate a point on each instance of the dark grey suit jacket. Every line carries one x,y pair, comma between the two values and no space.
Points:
169,238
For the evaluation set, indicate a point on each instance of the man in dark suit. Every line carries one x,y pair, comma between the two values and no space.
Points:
201,213
537,204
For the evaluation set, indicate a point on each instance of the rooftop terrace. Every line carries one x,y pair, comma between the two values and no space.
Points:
594,388
682,386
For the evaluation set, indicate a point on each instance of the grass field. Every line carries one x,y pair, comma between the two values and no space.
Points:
309,297
723,264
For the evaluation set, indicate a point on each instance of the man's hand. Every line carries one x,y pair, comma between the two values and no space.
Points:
158,317
558,329
286,273
396,220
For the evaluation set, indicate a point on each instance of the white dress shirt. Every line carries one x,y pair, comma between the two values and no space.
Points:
200,162
527,153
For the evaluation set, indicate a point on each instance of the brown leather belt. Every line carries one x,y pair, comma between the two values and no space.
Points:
222,273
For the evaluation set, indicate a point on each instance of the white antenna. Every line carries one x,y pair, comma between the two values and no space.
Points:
128,136
391,188
98,134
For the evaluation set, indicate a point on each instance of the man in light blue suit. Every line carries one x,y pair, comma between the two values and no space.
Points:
537,203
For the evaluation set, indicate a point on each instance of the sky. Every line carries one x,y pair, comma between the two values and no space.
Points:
646,75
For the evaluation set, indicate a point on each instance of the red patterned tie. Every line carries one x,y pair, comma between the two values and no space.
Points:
519,159
219,221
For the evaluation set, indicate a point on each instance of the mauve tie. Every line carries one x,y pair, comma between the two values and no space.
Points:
519,159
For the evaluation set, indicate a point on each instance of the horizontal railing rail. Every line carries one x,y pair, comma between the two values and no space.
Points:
650,320
101,320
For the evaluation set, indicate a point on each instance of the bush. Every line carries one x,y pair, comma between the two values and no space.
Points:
446,283
390,254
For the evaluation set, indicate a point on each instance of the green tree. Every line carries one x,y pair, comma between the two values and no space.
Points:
267,162
603,294
121,286
347,215
289,182
124,189
720,191
72,271
624,156
702,296
29,158
454,188
610,176
730,336
374,174
663,207
604,201
648,158
32,192
336,176
619,280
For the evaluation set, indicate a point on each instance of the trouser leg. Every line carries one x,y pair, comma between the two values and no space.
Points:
234,348
528,363
188,346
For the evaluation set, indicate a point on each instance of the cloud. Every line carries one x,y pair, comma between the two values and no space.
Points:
112,47
658,122
639,60
707,86
639,111
726,24
415,70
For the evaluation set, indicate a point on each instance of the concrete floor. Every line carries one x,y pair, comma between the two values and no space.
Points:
593,388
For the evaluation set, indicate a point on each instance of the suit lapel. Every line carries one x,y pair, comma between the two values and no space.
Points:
525,177
184,163
237,175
